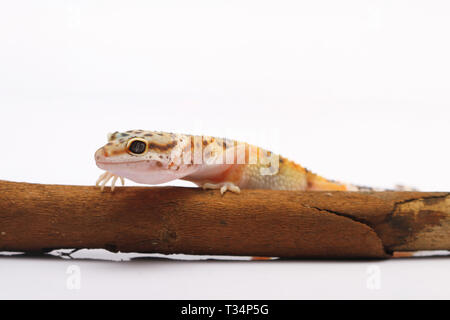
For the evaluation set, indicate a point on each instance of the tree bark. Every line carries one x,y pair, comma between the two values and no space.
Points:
288,224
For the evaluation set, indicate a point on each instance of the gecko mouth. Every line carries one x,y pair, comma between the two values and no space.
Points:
145,171
137,165
121,162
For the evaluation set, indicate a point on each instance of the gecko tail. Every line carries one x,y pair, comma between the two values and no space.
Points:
400,187
370,189
351,187
318,183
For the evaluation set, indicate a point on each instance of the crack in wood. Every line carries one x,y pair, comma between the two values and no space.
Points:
356,220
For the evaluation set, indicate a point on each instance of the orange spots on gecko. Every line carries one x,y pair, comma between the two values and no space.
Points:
317,183
286,164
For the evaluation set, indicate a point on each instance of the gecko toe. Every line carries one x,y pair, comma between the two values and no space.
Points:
223,187
105,178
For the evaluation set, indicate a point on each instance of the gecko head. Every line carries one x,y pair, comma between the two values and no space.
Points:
145,156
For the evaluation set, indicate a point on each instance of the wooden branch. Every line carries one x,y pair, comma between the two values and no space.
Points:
193,221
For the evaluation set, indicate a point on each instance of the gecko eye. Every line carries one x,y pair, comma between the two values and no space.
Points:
137,146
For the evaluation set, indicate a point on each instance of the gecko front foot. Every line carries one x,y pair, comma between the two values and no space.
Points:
105,177
224,187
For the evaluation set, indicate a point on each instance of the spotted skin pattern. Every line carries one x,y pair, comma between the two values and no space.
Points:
211,163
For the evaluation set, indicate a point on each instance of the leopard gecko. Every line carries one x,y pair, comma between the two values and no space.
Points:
151,157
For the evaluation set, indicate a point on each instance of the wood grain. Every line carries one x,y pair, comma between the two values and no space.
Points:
287,224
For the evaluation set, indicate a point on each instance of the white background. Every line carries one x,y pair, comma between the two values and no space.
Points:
357,91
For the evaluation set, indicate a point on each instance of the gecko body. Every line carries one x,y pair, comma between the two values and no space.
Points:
151,157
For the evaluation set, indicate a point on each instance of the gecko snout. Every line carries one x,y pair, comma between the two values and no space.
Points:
100,155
